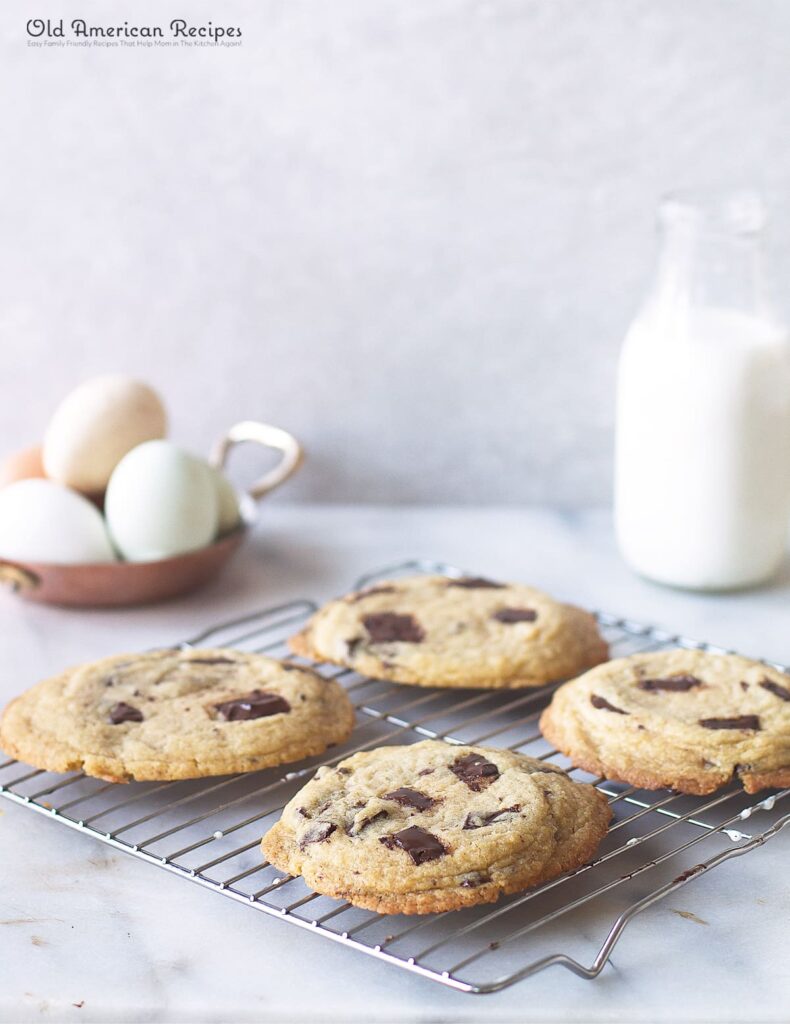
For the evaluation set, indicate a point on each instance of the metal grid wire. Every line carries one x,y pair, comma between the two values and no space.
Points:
209,830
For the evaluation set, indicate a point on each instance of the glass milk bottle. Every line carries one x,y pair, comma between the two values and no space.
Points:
702,468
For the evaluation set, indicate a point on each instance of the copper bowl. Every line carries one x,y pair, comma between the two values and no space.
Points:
117,584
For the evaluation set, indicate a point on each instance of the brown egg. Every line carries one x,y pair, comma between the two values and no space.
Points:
95,425
22,465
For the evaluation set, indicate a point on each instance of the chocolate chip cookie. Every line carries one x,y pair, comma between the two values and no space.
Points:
176,714
431,827
684,719
469,632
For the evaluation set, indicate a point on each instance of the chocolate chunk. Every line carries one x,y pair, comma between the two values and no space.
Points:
257,704
475,771
303,812
426,771
782,692
386,627
476,819
603,704
475,583
743,722
472,881
411,798
420,845
508,615
362,594
210,661
121,712
744,686
317,833
674,684
352,830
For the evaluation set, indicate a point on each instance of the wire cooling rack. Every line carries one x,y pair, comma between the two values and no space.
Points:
209,830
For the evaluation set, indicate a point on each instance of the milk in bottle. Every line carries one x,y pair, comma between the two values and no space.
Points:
702,492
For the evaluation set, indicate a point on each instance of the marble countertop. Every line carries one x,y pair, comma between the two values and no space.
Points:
89,934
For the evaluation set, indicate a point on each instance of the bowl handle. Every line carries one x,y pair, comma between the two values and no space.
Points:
16,578
269,437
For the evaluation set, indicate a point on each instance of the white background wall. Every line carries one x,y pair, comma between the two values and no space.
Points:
411,231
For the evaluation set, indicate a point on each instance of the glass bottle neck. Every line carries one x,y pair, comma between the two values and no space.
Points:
703,269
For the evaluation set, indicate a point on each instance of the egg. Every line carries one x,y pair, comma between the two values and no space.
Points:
22,465
96,425
161,501
229,515
41,521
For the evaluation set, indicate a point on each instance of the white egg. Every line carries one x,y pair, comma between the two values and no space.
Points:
161,501
41,521
96,425
228,503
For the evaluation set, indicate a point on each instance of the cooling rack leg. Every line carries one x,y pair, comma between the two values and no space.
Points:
628,915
